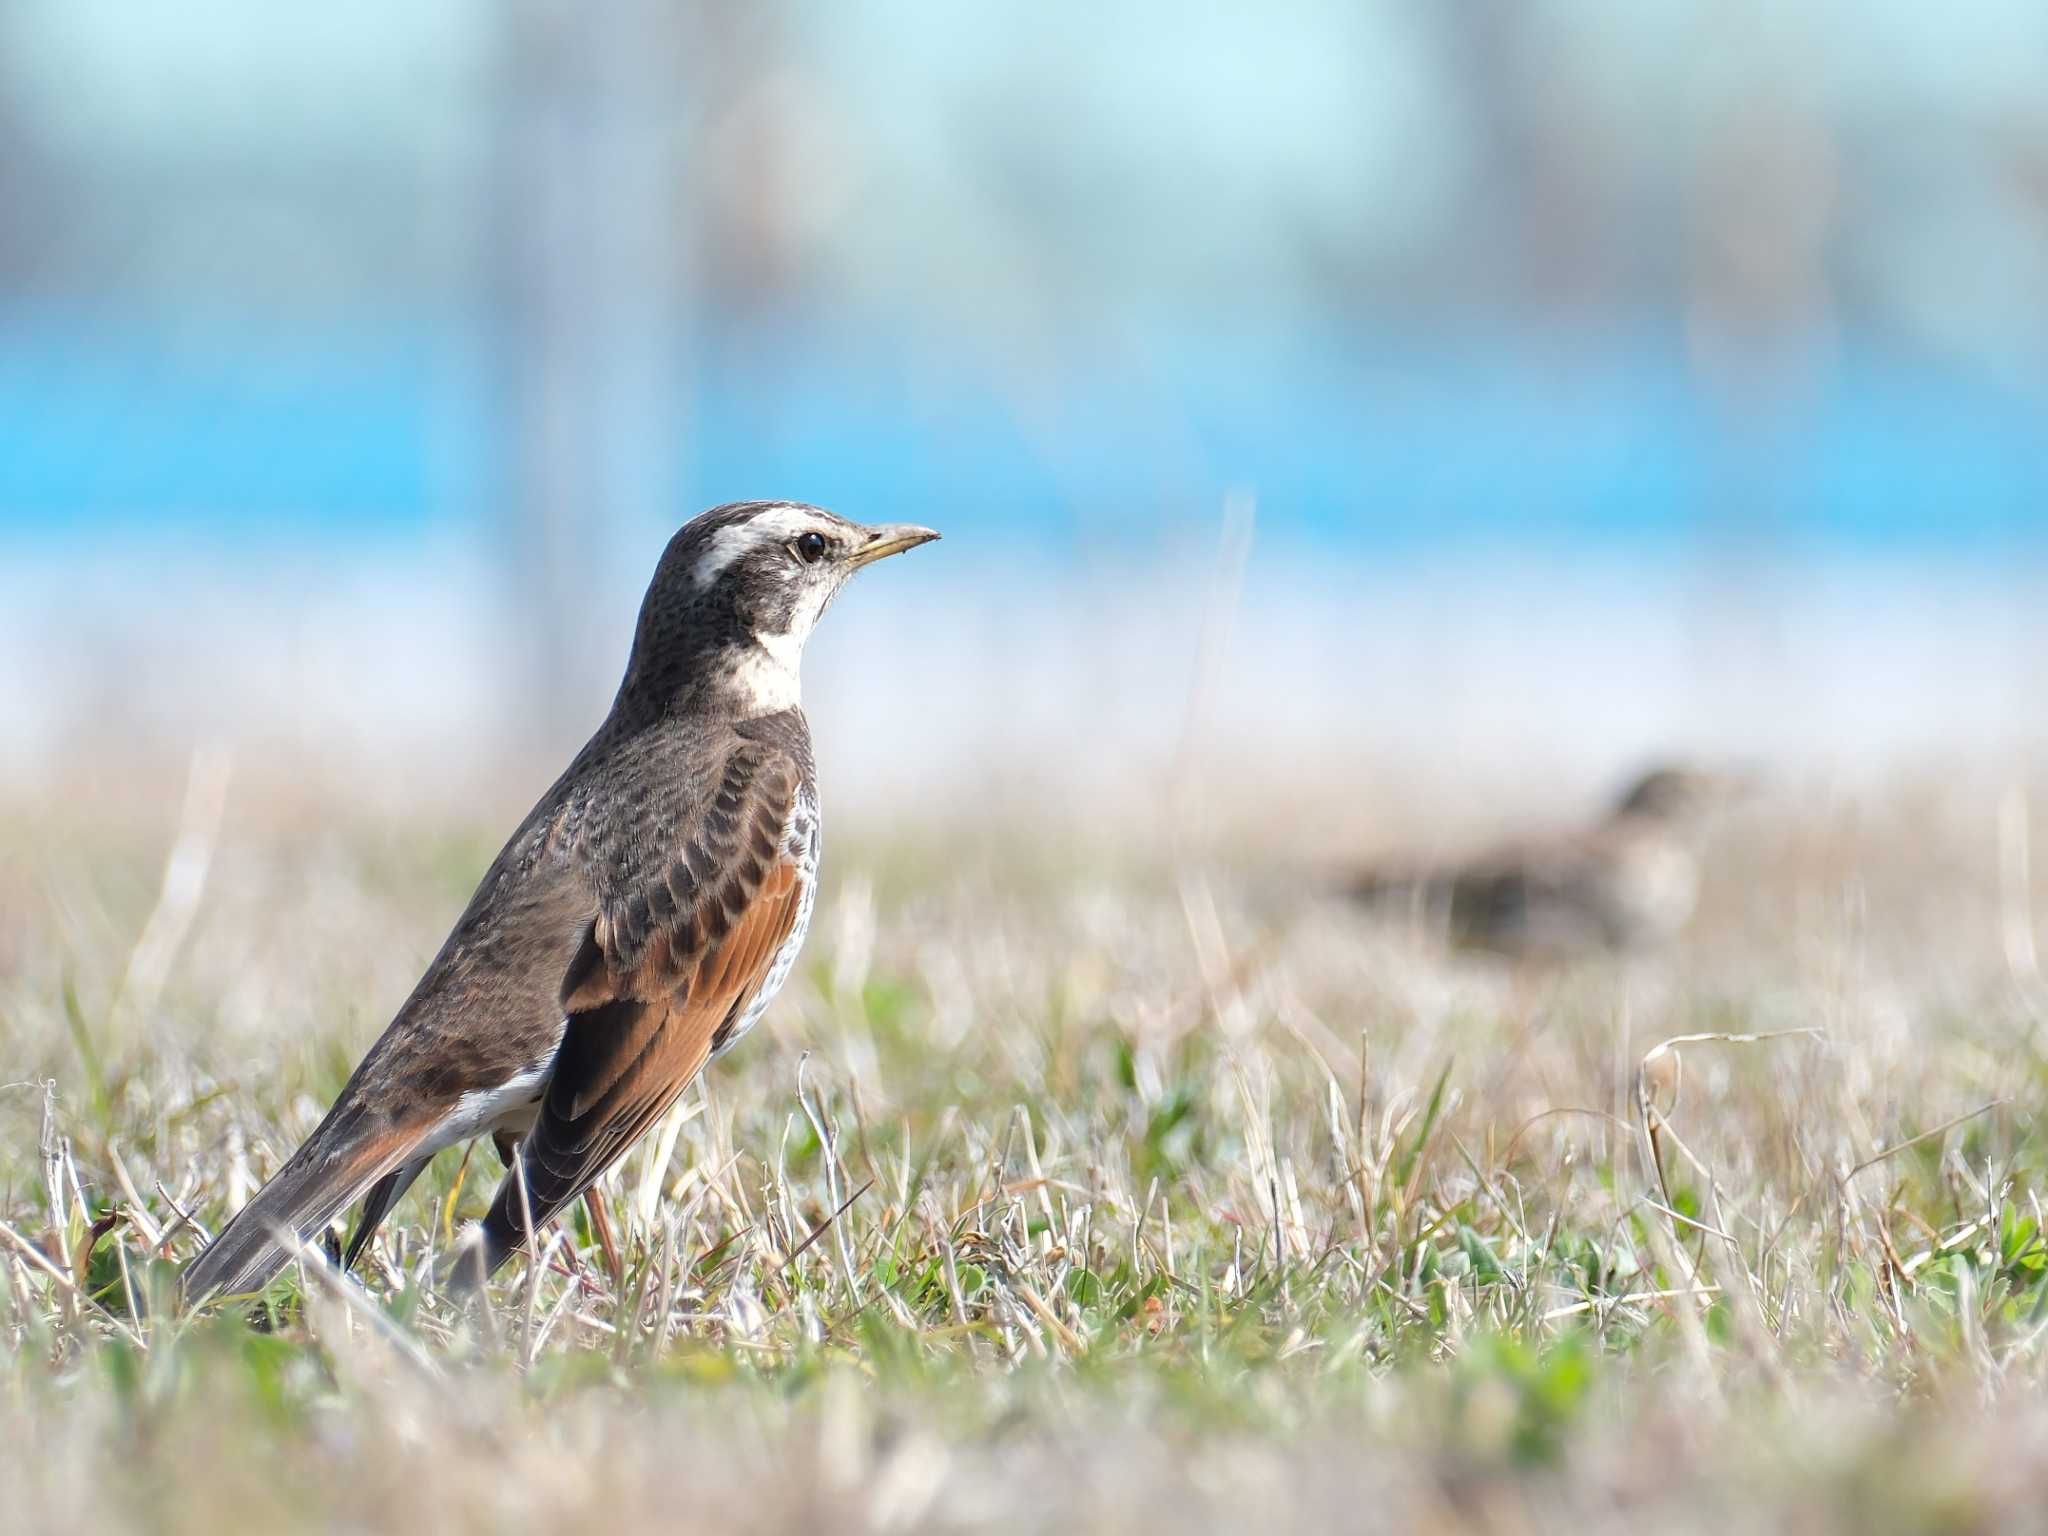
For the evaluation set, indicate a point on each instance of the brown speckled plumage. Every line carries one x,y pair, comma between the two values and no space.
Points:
633,926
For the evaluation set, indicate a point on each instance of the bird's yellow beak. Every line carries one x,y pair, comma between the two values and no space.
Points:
890,539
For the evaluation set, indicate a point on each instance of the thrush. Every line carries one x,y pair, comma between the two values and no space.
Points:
1629,881
632,929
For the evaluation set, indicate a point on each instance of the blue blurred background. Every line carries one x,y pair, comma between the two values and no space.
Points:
1587,378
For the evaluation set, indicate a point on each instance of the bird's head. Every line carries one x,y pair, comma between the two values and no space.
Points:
1673,795
738,592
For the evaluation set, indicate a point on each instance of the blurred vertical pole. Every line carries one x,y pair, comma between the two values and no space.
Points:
1758,305
24,207
589,270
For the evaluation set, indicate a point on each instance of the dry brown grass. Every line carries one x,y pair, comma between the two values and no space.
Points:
1175,1194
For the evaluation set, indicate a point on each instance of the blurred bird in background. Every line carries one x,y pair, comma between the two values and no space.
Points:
1627,882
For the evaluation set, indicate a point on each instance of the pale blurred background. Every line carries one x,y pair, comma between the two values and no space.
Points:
1319,390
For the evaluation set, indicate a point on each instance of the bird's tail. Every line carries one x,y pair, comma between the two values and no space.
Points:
1375,886
337,1163
1393,888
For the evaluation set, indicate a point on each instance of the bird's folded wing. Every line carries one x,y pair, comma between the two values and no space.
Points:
661,973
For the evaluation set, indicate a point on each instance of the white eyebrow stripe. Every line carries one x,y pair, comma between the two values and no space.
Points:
784,520
727,545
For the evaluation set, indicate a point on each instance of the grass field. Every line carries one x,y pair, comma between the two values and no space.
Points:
1167,1192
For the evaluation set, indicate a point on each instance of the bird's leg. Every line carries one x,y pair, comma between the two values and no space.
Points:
601,1227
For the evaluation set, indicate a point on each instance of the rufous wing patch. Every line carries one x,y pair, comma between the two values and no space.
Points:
659,975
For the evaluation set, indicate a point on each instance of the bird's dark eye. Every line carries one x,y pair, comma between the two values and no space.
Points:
809,547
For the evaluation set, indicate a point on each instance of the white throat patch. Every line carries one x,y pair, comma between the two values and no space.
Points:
766,675
768,672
